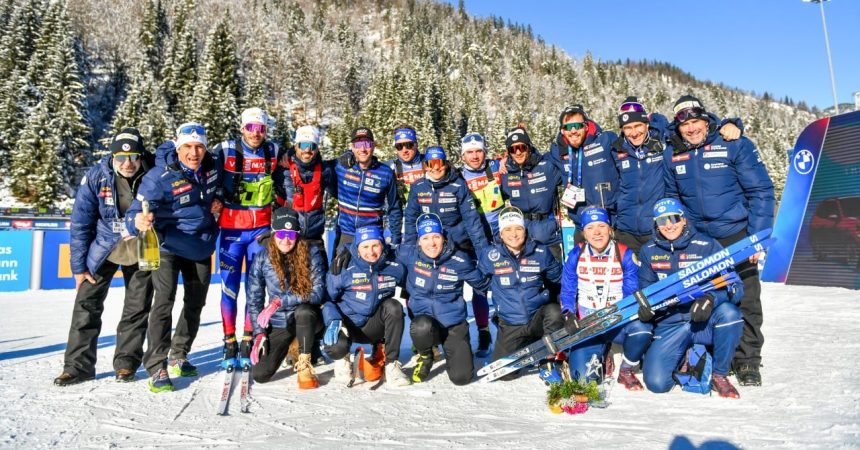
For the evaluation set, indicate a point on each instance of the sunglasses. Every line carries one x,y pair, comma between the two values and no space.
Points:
193,129
574,126
123,157
668,219
287,234
363,145
255,128
632,106
308,146
472,138
435,164
518,148
407,145
689,113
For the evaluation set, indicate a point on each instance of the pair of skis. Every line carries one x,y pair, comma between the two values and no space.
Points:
680,287
227,388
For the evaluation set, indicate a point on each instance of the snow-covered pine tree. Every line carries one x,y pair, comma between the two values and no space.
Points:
180,67
144,108
216,97
153,34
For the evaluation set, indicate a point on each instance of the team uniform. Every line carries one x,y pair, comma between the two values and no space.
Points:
485,186
365,198
532,188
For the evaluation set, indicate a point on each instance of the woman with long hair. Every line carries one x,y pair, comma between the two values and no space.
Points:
291,272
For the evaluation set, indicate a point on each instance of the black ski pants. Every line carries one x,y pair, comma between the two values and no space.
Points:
304,324
427,333
749,349
511,338
386,324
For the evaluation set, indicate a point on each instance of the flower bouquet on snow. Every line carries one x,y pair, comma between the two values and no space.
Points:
572,396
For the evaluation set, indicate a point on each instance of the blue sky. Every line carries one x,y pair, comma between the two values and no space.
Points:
756,45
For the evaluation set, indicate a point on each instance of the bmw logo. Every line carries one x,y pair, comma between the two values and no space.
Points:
804,162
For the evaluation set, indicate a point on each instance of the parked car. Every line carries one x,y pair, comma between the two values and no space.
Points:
834,231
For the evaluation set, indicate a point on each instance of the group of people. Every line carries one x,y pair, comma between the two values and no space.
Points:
645,204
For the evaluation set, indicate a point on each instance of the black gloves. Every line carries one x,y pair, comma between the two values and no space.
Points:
571,324
340,261
347,159
646,313
702,308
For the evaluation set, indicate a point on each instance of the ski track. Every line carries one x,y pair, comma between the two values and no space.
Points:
810,397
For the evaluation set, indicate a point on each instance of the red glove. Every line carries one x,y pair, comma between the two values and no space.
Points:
261,343
268,312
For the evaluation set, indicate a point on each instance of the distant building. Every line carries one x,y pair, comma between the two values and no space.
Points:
857,101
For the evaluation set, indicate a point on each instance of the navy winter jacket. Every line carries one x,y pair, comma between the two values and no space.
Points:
588,167
96,225
723,185
361,287
436,285
533,188
641,182
364,197
451,200
262,279
661,258
520,283
181,203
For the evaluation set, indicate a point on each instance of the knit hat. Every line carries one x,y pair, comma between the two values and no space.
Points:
687,108
428,224
631,111
128,140
434,152
666,207
518,135
593,214
254,115
572,109
285,218
308,133
511,216
361,133
370,233
191,133
472,141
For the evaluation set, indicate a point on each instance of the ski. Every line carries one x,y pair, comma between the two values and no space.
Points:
667,283
244,399
226,388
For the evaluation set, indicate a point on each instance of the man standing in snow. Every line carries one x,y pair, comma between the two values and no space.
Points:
728,194
100,244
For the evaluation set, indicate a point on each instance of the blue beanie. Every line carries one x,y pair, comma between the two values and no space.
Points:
428,224
372,233
593,214
434,152
668,206
405,133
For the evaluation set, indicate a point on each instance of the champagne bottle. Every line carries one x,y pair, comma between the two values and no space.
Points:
148,253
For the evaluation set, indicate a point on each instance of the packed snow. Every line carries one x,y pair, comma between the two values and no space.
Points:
810,397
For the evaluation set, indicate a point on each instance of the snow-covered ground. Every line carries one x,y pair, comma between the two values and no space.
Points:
810,397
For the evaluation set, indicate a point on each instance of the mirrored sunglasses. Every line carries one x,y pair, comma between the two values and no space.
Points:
192,129
689,113
123,157
404,145
518,148
435,164
668,219
632,106
363,145
308,146
287,234
255,128
574,126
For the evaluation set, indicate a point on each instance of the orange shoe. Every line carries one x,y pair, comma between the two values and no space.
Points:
374,368
305,370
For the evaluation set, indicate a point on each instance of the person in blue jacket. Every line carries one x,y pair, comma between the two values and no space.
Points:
408,166
598,273
250,164
523,273
713,319
436,271
182,203
362,309
366,191
728,195
582,153
638,156
100,244
531,185
290,271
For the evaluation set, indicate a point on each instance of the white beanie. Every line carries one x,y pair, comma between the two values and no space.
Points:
308,133
254,115
190,132
511,216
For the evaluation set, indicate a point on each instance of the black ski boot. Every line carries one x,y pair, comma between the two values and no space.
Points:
748,375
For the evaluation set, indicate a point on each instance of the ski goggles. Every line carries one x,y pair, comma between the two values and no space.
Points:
255,128
668,219
574,126
287,234
404,145
121,158
631,107
689,114
363,145
518,148
193,129
435,164
307,146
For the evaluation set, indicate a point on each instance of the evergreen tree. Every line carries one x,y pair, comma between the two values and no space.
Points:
180,67
35,161
216,98
11,118
18,43
144,108
153,33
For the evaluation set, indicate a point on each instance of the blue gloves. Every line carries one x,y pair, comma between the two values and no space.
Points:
332,333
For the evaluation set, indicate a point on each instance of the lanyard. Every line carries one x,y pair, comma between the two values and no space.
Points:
602,294
578,167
